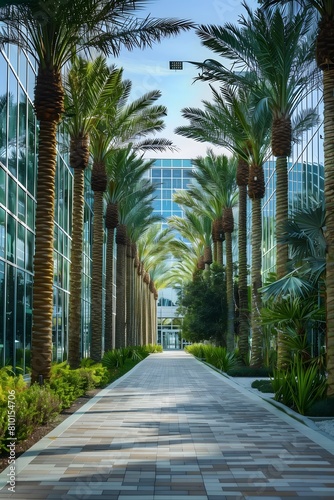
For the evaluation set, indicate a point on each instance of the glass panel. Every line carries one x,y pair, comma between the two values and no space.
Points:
31,154
2,312
29,250
21,204
20,319
12,127
156,172
177,183
10,314
166,163
177,173
11,238
167,183
28,311
2,186
13,56
22,138
31,213
12,189
2,232
31,82
3,111
20,250
166,172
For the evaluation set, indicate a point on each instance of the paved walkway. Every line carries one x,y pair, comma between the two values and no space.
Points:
172,428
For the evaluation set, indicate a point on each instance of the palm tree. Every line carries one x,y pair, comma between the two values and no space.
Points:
216,175
135,215
87,89
323,11
231,121
124,169
51,37
272,55
122,123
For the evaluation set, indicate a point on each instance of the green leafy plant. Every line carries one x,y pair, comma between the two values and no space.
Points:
300,386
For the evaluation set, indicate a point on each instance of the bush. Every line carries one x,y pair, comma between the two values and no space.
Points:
264,386
249,371
220,358
68,384
152,348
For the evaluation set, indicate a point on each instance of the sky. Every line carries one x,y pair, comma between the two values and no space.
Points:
149,69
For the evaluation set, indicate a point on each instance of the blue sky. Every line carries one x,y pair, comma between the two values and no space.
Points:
149,69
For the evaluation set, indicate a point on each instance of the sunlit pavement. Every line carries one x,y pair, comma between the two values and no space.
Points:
173,428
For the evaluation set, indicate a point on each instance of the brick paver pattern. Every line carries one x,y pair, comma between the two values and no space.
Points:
173,428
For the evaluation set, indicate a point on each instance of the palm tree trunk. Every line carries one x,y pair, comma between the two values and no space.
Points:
74,347
129,312
120,330
220,252
257,340
229,293
109,312
282,212
97,278
328,96
242,285
43,259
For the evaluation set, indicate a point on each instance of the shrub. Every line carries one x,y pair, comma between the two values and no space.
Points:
196,350
300,386
68,384
264,386
152,348
249,371
220,358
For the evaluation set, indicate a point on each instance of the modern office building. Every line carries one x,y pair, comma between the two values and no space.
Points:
169,175
18,162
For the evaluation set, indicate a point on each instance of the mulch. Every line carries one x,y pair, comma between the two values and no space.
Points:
40,432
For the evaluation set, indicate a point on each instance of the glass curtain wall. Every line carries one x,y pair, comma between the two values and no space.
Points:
18,165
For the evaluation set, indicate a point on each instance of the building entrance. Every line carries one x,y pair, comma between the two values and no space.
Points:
170,339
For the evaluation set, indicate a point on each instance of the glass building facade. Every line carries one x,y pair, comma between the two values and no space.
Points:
169,175
18,174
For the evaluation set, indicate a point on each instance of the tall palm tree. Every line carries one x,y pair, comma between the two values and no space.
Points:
135,212
272,55
87,90
230,120
216,176
123,122
51,37
124,169
323,11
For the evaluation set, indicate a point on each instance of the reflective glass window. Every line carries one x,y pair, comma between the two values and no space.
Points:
10,312
28,313
21,204
177,183
13,56
31,81
11,238
20,245
2,232
12,190
167,183
2,186
20,317
156,172
31,152
12,124
29,250
22,138
166,163
177,173
2,311
30,213
3,111
166,172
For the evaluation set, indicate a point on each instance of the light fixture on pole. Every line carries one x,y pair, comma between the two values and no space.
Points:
176,65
